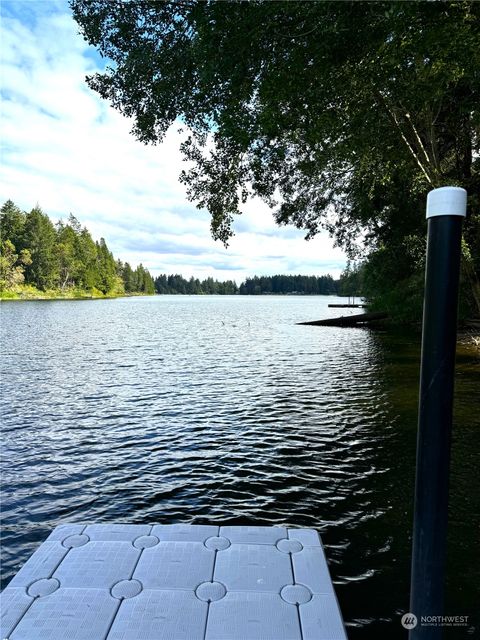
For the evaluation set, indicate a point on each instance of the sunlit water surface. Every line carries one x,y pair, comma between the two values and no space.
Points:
222,410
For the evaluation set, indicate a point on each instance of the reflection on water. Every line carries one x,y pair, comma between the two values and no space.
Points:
220,409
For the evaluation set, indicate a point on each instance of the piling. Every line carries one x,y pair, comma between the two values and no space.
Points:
446,208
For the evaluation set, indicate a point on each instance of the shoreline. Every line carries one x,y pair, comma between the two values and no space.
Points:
31,296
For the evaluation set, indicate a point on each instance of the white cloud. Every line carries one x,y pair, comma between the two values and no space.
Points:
66,149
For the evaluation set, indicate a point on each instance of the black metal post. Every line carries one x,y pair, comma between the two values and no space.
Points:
446,209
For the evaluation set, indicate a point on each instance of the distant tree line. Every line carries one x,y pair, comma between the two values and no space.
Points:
312,285
177,284
34,251
257,285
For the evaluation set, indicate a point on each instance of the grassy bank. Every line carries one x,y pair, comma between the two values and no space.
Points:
28,292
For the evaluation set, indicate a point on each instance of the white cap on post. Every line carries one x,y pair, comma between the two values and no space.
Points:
447,201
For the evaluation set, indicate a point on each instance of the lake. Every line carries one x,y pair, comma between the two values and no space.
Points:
215,409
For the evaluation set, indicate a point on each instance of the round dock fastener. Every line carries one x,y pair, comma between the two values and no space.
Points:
126,589
210,591
289,546
295,594
145,542
43,587
75,541
217,543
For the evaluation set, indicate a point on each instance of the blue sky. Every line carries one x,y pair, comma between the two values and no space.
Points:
67,150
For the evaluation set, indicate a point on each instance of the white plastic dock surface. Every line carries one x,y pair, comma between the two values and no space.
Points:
173,582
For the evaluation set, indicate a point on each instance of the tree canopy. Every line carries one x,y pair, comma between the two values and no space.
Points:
340,115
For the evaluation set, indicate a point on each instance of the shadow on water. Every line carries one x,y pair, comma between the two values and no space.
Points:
221,410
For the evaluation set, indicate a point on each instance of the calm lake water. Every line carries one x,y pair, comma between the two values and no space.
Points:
220,410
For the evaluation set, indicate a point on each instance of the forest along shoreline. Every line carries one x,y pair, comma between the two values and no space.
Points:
40,260
43,260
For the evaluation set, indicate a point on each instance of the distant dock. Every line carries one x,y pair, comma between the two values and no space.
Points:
348,306
181,582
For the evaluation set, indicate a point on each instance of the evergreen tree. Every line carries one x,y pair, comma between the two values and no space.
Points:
149,285
67,250
12,224
161,284
88,274
194,286
106,276
351,281
40,238
128,278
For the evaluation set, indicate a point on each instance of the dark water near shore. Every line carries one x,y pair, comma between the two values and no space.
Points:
221,410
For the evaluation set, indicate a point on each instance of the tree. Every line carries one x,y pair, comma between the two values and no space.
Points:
40,238
329,111
351,281
161,284
12,223
68,251
127,276
393,282
148,283
106,268
88,274
12,265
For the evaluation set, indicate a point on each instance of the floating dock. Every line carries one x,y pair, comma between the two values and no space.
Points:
173,582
